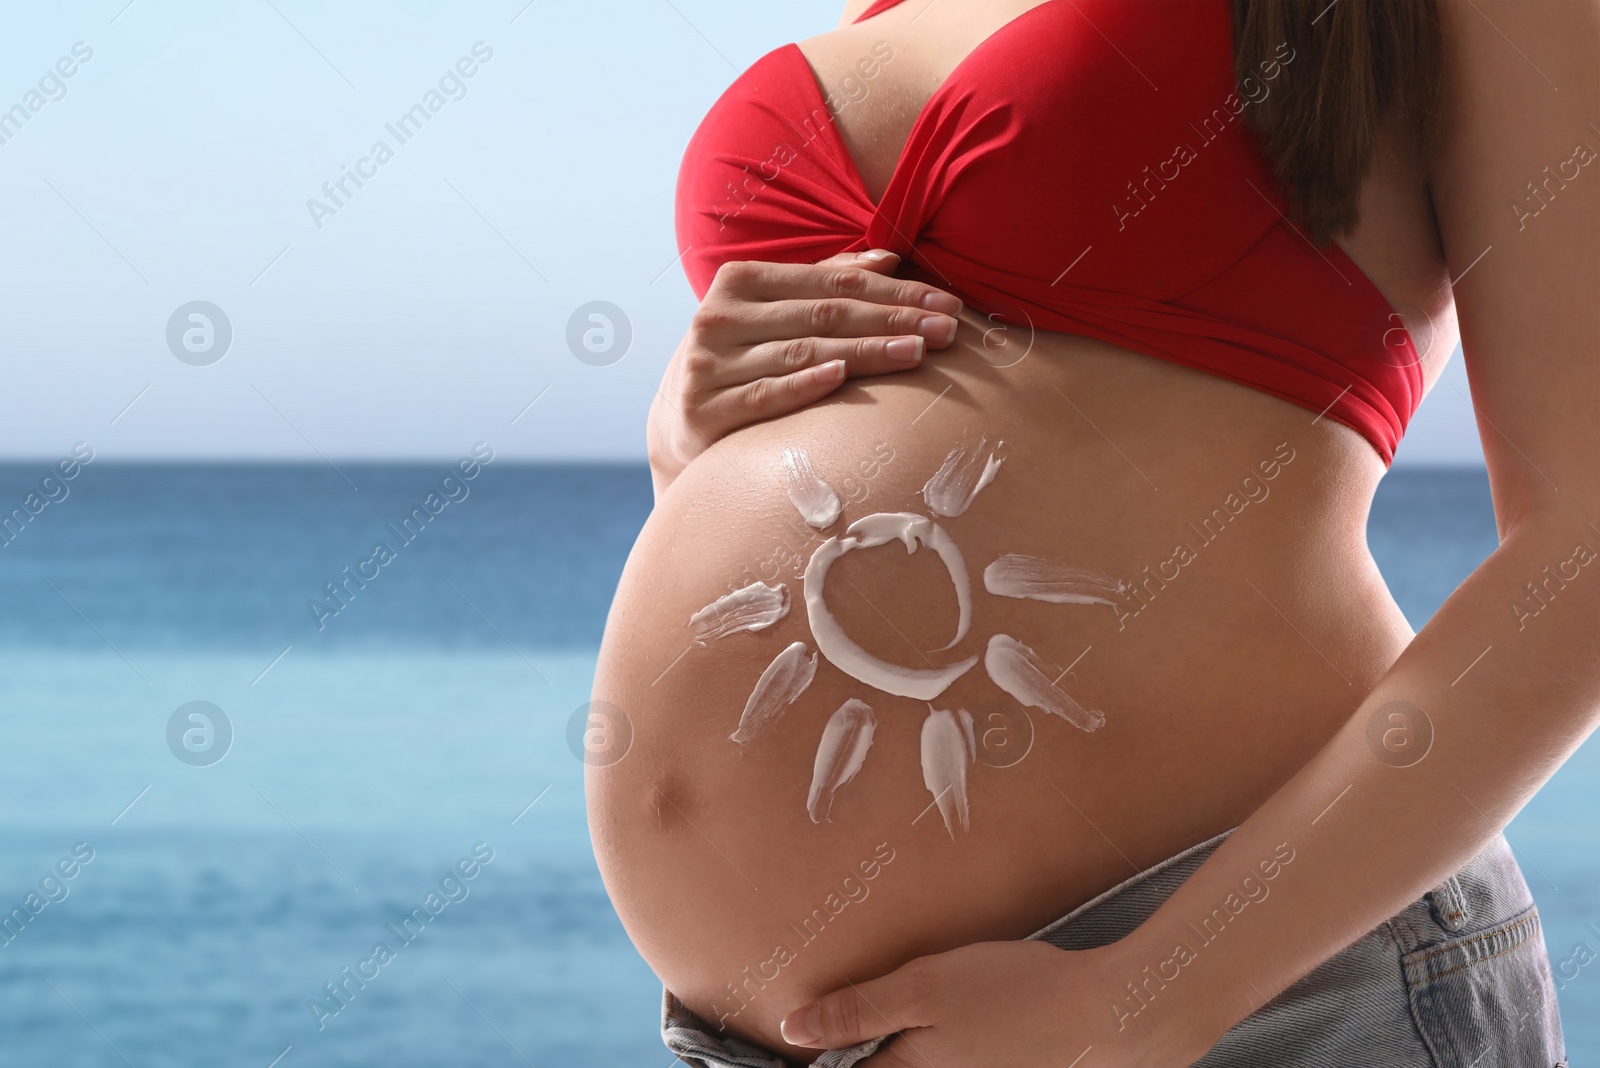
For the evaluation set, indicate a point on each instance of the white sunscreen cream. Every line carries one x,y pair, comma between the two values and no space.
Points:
756,607
816,501
785,679
844,745
1034,579
964,472
1018,671
913,530
947,751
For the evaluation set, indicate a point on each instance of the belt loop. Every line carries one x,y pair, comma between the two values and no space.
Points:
1448,904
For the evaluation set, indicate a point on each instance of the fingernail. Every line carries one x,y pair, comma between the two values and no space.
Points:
906,351
939,329
948,303
875,254
803,1030
832,371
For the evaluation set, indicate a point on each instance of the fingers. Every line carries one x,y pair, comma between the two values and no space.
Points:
845,318
863,1010
793,374
879,260
786,336
838,278
883,262
772,396
770,338
862,356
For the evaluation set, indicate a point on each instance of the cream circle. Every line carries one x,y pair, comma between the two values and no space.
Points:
923,684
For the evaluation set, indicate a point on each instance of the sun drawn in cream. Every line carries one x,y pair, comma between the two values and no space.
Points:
949,745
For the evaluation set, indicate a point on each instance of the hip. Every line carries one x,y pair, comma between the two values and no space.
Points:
1459,978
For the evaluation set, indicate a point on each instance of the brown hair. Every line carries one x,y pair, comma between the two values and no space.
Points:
1355,64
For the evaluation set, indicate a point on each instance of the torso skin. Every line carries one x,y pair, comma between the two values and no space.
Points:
1226,682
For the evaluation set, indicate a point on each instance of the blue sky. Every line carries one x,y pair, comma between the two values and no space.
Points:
431,306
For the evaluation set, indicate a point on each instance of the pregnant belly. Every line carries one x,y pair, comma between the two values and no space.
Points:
768,828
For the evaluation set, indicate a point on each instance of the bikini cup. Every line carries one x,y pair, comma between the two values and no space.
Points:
1087,168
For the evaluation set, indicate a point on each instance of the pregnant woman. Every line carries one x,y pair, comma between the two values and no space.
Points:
1002,677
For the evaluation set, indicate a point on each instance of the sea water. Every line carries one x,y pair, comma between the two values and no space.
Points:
415,720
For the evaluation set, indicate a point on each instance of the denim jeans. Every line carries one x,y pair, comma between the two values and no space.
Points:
1458,979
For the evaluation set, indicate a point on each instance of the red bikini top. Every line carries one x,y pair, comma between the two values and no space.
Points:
1087,169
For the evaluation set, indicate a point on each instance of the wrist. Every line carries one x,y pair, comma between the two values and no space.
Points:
665,463
664,469
1165,1015
659,482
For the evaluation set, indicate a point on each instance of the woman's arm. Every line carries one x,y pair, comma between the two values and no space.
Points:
1509,693
1524,100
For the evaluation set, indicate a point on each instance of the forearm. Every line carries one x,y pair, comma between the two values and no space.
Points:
1509,694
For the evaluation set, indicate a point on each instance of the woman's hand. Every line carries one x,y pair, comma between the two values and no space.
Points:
1023,1003
773,337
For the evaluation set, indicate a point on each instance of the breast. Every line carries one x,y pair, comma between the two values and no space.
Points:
1089,169
744,895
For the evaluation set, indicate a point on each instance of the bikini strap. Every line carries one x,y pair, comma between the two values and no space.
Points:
878,7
